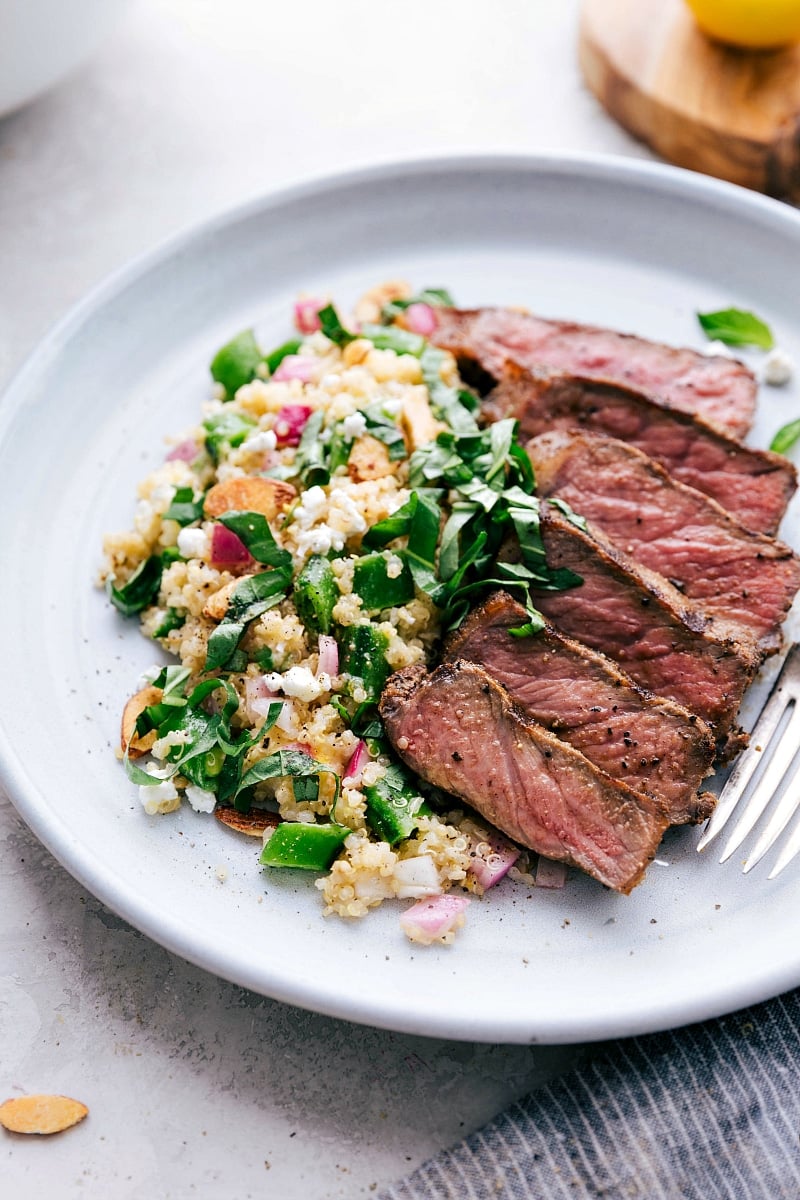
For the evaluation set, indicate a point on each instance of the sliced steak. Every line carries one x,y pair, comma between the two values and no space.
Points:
639,619
649,742
459,730
753,485
745,580
721,390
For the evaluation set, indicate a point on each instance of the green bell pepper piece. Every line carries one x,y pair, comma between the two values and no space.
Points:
307,847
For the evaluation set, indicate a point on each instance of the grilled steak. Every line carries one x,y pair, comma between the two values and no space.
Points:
721,390
460,731
649,742
753,485
641,621
745,580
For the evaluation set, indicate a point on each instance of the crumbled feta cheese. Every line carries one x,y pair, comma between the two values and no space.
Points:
193,543
311,507
344,513
394,566
200,800
161,496
320,540
299,682
260,442
777,368
159,797
717,349
354,426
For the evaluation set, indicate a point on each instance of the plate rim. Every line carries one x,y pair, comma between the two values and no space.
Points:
81,862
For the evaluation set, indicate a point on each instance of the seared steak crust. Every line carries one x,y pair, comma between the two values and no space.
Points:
649,742
641,621
459,730
744,580
720,390
753,485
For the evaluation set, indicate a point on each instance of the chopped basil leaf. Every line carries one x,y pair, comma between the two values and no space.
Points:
253,529
276,357
384,427
237,362
310,460
250,598
786,437
141,588
184,508
445,401
286,764
264,659
332,326
735,327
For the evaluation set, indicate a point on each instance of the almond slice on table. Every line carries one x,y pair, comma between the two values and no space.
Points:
253,823
249,494
129,739
41,1114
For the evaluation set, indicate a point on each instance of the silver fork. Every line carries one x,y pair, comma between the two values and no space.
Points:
784,696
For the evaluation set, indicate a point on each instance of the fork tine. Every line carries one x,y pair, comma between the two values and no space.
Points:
745,768
769,783
787,807
789,851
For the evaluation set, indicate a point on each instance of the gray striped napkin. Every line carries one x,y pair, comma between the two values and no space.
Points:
706,1112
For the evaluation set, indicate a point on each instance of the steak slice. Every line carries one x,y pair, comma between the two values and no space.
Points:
459,730
649,742
719,389
744,579
641,621
753,485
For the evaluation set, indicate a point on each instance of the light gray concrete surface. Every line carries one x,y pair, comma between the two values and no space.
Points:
197,1087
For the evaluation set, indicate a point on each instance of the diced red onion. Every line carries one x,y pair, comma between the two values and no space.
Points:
434,917
358,760
420,318
306,314
328,656
186,451
227,550
490,867
258,696
290,422
295,366
550,874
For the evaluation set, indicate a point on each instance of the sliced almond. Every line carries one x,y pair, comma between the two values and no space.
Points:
41,1114
369,459
419,424
217,605
249,494
129,738
253,823
371,304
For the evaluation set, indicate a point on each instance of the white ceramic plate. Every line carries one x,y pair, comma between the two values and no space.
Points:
634,246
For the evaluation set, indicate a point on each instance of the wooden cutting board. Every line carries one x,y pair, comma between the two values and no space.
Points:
730,113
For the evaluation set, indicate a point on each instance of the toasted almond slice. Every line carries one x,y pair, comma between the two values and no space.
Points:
369,459
129,739
419,424
217,605
41,1114
371,304
249,494
253,823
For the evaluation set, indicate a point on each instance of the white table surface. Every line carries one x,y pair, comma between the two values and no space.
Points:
197,1087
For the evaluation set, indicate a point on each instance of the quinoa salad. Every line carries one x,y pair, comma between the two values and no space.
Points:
331,517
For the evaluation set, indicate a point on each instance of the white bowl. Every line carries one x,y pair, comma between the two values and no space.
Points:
43,40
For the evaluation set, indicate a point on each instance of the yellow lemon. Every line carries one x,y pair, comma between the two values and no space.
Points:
761,24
